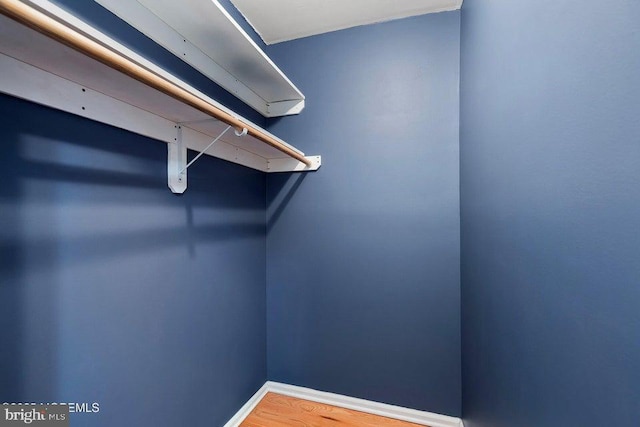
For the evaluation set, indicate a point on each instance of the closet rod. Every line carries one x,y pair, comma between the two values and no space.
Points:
48,26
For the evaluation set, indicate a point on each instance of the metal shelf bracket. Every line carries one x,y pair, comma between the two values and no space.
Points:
177,159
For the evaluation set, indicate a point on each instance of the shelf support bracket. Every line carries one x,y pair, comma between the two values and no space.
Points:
185,167
177,161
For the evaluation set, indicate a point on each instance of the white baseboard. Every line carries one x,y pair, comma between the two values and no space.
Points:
248,407
390,411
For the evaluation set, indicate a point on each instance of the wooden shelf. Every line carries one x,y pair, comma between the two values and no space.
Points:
40,69
205,36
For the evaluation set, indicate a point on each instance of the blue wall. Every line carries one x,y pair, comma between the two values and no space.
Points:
363,256
113,289
550,180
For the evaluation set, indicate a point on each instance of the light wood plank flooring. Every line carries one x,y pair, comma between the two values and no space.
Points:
276,410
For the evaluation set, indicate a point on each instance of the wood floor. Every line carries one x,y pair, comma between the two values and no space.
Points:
276,410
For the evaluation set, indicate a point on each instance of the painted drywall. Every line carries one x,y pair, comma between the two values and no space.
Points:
114,290
363,255
283,20
550,195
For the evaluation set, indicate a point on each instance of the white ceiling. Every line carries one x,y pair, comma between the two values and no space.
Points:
281,20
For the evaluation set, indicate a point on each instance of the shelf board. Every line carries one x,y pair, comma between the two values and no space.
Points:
42,70
205,36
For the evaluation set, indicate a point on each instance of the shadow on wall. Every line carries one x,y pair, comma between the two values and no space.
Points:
282,187
11,307
82,206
